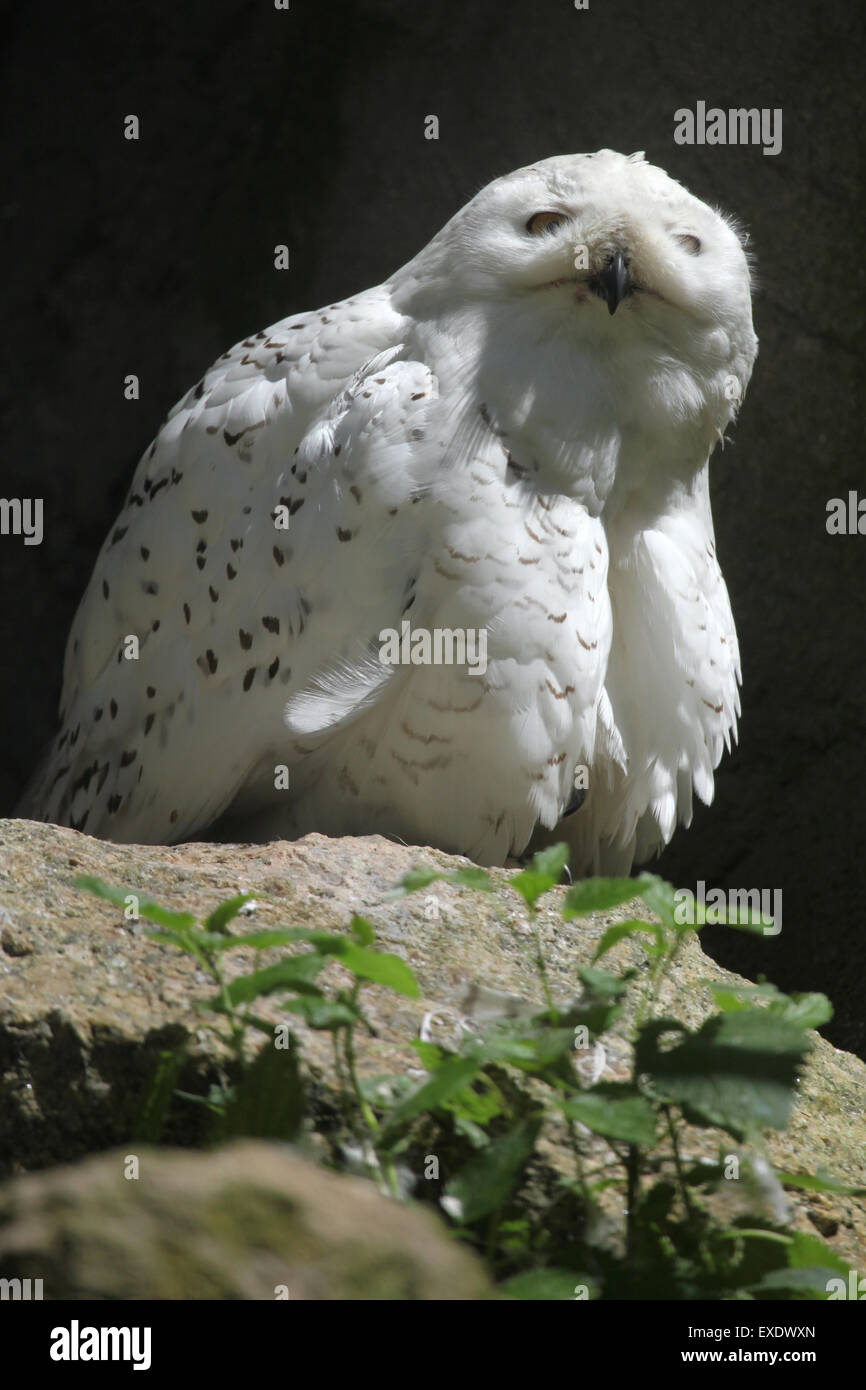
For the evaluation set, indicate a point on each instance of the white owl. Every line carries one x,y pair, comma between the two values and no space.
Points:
507,441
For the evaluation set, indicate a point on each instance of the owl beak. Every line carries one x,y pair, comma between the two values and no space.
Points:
613,283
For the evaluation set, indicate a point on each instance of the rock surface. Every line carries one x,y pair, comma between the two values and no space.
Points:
87,1001
251,1221
152,257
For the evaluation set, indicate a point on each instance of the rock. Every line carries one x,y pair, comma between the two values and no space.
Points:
113,276
87,1001
251,1221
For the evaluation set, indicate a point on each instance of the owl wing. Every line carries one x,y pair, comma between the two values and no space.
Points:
671,686
198,618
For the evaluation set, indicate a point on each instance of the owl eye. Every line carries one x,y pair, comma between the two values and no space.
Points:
691,243
545,222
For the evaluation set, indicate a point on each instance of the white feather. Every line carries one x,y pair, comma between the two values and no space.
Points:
476,445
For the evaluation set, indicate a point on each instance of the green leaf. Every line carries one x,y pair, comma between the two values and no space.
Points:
711,913
189,939
598,895
414,881
660,898
616,1110
430,1055
385,1091
488,1180
819,1182
807,1251
380,967
799,1281
738,1071
514,1236
603,985
479,1104
262,940
294,974
732,999
222,915
759,1234
803,1010
430,1094
147,909
531,1044
268,1101
550,1285
627,929
546,1047
325,941
542,873
214,1101
362,930
498,1049
469,1130
597,1015
747,918
150,1120
469,877
325,1014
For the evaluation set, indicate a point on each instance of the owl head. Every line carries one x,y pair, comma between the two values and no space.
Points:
598,258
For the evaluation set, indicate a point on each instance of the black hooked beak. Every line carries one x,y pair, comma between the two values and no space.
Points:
613,283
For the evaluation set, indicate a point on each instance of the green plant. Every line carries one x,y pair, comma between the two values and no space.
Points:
485,1104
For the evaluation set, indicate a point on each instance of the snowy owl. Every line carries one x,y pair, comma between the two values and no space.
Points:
436,562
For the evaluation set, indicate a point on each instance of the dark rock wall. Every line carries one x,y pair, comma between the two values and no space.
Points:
306,126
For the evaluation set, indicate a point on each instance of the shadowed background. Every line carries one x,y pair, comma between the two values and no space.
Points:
306,127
